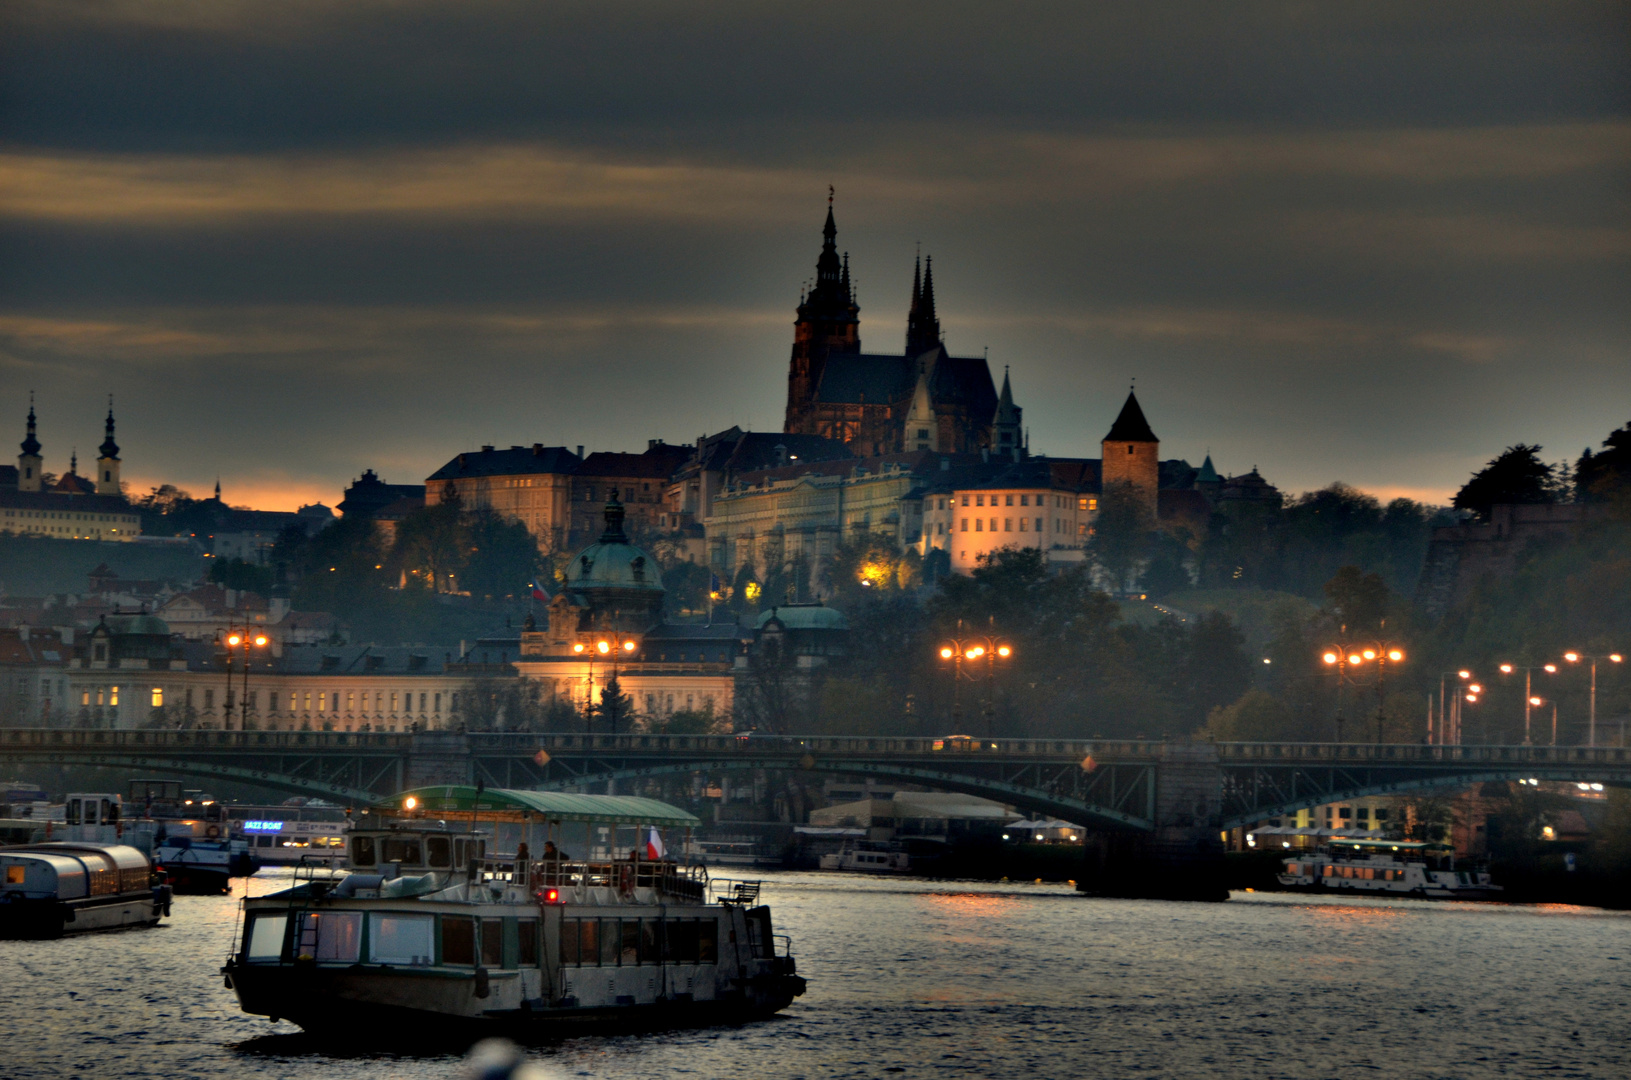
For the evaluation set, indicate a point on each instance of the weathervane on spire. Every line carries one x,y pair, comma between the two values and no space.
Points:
831,191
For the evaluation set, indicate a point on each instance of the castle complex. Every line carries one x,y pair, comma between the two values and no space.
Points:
73,507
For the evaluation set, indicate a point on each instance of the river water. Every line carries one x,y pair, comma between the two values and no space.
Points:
950,979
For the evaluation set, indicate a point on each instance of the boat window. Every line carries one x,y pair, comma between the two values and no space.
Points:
526,934
492,943
588,941
569,941
707,942
400,938
436,847
631,942
71,815
265,937
400,850
650,947
682,941
338,935
459,940
362,850
611,942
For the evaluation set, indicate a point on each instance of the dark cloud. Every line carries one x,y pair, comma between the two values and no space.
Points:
1370,242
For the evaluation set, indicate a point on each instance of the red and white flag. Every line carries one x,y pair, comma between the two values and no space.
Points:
654,846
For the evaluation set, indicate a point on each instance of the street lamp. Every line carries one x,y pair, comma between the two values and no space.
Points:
973,650
1529,699
1351,657
1444,731
249,640
1575,658
611,649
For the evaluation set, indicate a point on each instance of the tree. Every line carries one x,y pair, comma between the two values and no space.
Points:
615,706
241,575
1516,476
1358,600
502,557
1606,476
1257,717
1121,535
432,545
1216,669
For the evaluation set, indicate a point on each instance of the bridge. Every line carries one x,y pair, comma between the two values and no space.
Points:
1128,786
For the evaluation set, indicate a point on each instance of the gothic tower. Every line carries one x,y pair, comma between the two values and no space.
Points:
107,465
922,327
1132,455
828,322
1005,426
29,461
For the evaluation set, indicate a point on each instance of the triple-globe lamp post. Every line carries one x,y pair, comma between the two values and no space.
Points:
249,640
972,650
609,650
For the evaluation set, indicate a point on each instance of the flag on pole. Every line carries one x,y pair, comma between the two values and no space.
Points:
538,594
654,846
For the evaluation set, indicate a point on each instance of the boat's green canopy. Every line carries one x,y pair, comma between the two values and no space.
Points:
509,804
1399,845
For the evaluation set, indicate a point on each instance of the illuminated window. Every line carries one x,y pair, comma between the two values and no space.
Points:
350,700
308,701
99,694
84,697
158,697
393,701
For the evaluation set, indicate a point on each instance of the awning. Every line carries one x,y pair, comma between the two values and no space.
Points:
1287,830
509,804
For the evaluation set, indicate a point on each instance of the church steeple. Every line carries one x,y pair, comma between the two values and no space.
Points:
922,327
29,461
1005,426
828,322
107,464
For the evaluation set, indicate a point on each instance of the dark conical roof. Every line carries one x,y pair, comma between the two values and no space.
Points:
1130,425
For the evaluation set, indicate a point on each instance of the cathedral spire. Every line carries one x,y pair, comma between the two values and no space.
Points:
922,328
109,448
107,462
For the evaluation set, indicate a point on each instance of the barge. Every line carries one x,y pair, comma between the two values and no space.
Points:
62,887
429,931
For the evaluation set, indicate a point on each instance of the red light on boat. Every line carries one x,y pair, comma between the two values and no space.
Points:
553,896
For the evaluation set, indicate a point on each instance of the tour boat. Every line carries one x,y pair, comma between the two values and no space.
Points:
868,857
201,856
582,924
1389,868
61,887
284,835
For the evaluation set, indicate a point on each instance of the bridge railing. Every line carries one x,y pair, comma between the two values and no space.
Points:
783,745
205,739
1417,753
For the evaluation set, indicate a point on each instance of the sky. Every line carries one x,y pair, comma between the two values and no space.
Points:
1373,243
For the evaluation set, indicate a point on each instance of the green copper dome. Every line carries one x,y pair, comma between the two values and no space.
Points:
612,562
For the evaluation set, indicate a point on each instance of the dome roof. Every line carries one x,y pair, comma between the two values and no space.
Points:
612,562
804,617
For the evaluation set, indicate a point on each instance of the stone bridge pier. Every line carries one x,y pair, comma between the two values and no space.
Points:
1182,857
439,757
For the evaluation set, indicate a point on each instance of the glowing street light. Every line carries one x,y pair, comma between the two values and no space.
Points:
1575,658
972,650
1529,699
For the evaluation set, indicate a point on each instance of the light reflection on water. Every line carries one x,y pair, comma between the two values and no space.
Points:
958,979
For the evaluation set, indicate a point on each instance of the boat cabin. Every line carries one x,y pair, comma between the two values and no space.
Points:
409,850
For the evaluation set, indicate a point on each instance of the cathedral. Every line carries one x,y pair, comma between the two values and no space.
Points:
885,403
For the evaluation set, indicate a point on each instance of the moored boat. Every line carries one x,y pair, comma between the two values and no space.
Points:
202,857
430,932
60,887
1387,867
868,857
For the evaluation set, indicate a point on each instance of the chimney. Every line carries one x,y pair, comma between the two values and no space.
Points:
580,451
537,449
487,449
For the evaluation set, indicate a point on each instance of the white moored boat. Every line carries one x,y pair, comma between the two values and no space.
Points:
868,857
431,927
1387,867
63,887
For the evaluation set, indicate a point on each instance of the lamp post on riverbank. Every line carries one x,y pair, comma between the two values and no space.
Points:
1529,699
973,650
1575,658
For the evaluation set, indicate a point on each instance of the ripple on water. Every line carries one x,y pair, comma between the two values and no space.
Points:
956,979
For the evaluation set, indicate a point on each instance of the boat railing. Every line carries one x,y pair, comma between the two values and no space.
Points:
665,876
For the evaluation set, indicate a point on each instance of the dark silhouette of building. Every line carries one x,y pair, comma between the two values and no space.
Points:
881,403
